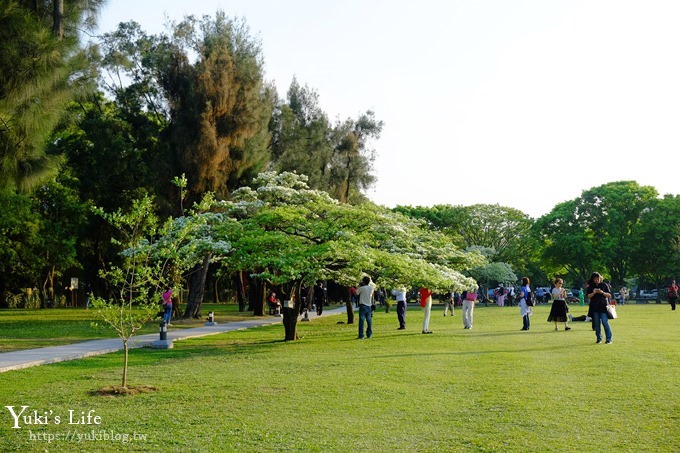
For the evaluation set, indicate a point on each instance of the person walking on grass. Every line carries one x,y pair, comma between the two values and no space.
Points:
559,309
365,294
400,297
500,294
457,300
426,303
449,303
673,294
525,309
469,299
597,293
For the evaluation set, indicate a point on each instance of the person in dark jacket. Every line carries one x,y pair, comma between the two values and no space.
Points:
597,293
319,297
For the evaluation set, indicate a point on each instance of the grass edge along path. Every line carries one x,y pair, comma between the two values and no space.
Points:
28,329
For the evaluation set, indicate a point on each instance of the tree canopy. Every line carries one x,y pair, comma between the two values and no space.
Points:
253,185
42,68
205,79
597,230
283,231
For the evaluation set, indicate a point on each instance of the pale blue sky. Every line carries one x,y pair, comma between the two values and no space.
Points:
478,94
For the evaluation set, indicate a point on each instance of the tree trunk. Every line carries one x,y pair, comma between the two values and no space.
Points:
290,317
58,19
216,290
240,292
256,296
350,312
310,298
347,182
48,288
176,306
125,364
292,304
197,289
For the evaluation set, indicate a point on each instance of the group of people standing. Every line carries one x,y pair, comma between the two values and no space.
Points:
598,293
466,299
425,299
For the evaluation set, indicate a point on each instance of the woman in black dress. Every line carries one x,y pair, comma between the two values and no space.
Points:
559,310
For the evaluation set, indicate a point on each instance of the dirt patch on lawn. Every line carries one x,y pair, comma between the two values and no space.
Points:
117,390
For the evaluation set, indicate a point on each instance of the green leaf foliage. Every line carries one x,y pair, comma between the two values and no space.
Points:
41,71
286,232
656,254
597,230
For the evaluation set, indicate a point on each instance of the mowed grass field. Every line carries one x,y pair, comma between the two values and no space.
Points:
492,388
26,329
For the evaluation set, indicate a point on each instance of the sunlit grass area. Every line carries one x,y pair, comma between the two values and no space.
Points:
492,388
25,329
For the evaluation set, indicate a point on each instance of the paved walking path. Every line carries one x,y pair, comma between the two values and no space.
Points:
16,360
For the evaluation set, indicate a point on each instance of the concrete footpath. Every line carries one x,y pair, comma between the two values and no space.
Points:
16,360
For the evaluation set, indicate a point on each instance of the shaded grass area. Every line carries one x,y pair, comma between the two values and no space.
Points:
26,329
492,388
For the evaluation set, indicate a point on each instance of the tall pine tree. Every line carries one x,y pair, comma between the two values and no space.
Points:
41,65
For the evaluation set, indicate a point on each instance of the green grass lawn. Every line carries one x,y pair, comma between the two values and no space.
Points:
25,329
492,388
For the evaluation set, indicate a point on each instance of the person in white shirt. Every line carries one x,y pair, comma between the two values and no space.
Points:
365,293
400,296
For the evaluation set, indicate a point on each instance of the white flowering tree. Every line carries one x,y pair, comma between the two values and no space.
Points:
287,234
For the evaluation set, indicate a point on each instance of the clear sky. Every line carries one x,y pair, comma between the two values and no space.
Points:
524,103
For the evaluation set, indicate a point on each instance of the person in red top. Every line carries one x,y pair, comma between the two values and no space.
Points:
275,303
426,303
673,295
353,297
167,307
